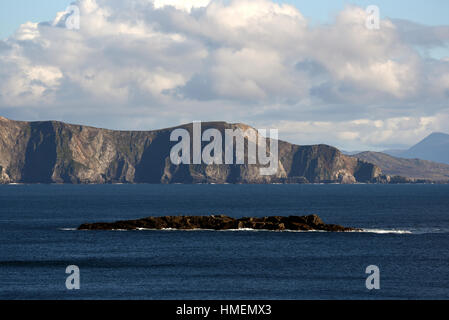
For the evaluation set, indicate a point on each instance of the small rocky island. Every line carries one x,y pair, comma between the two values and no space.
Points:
221,222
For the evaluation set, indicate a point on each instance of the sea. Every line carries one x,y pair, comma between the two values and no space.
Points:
405,235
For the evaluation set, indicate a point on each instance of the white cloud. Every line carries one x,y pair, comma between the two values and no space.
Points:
141,63
27,31
186,5
365,134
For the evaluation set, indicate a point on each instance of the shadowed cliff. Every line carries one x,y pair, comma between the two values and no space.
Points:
56,152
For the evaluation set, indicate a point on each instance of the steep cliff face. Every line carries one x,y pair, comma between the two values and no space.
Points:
55,152
415,170
14,137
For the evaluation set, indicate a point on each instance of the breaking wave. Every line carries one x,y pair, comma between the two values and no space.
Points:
409,231
386,231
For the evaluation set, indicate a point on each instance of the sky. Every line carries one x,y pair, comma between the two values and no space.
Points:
312,69
431,12
13,13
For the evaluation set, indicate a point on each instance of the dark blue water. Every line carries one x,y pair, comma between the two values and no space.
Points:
408,241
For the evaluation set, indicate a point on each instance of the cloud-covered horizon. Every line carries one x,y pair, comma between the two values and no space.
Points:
147,64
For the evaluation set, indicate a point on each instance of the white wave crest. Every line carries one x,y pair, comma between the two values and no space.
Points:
408,231
386,231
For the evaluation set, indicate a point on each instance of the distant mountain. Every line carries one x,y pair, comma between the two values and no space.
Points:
412,168
56,152
433,148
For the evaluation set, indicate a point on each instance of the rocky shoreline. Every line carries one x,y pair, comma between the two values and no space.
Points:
221,222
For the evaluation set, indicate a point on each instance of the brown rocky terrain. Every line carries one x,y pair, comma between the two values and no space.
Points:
221,222
416,170
56,152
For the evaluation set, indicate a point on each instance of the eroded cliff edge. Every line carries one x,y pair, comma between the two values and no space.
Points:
56,152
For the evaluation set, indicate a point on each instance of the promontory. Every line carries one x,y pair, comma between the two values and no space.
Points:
57,152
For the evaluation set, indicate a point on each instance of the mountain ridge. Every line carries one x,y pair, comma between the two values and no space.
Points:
416,169
57,152
434,147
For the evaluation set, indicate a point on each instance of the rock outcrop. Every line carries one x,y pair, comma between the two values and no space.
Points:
56,152
221,222
400,170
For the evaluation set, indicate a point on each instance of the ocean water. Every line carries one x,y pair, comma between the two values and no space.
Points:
406,236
